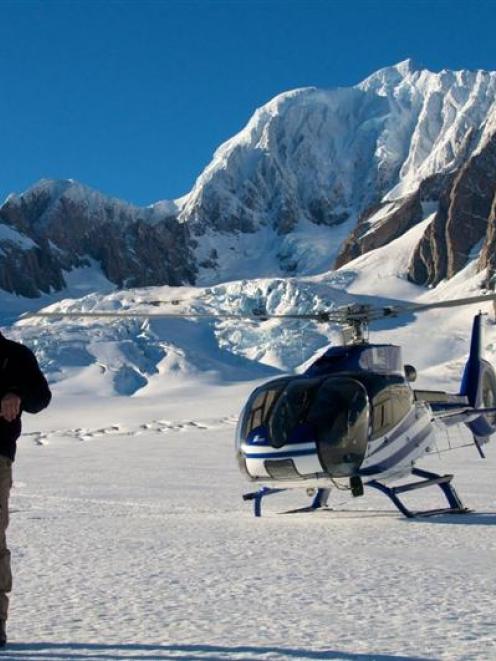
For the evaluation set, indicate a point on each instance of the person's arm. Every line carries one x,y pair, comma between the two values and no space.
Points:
31,387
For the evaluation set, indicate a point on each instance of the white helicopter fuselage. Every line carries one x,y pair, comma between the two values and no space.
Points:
393,455
389,457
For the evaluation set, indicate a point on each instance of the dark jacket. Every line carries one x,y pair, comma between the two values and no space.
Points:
19,374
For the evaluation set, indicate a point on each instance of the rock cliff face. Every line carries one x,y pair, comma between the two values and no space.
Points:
381,224
388,220
487,258
316,178
57,226
463,222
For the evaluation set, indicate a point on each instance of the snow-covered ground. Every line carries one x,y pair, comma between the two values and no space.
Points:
130,540
129,535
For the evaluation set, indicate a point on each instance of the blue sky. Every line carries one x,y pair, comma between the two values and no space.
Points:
132,98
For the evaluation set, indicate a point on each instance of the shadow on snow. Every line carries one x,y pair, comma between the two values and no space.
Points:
32,651
468,519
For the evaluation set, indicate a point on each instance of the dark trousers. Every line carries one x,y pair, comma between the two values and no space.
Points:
5,571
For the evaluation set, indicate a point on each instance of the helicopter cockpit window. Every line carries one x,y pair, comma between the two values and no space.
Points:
332,412
291,410
258,409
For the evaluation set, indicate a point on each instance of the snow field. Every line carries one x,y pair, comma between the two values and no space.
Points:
138,545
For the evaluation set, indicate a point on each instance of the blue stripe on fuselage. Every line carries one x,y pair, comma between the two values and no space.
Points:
395,458
399,431
280,455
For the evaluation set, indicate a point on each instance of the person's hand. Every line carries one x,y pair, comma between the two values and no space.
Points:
10,406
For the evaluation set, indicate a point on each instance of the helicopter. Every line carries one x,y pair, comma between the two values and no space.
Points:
352,419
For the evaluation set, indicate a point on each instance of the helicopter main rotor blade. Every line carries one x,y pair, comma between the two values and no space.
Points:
454,302
355,313
169,315
367,313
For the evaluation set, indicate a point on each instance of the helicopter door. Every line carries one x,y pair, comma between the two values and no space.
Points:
339,416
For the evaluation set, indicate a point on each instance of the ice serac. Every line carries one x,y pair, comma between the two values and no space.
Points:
60,225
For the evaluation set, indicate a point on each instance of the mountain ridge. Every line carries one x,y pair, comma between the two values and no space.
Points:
317,177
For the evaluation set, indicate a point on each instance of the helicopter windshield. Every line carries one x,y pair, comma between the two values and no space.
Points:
288,417
332,412
258,408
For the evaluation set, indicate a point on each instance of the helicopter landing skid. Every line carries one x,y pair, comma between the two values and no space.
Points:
429,479
320,500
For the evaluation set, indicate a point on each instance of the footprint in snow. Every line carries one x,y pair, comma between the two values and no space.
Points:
158,426
38,437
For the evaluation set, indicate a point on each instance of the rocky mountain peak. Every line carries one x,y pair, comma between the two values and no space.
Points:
315,176
386,79
316,158
57,226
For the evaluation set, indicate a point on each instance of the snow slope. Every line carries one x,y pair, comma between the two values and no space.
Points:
127,356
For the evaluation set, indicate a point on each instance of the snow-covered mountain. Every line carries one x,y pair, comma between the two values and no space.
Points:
386,153
316,178
372,191
58,226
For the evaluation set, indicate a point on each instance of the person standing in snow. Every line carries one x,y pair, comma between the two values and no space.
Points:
22,388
